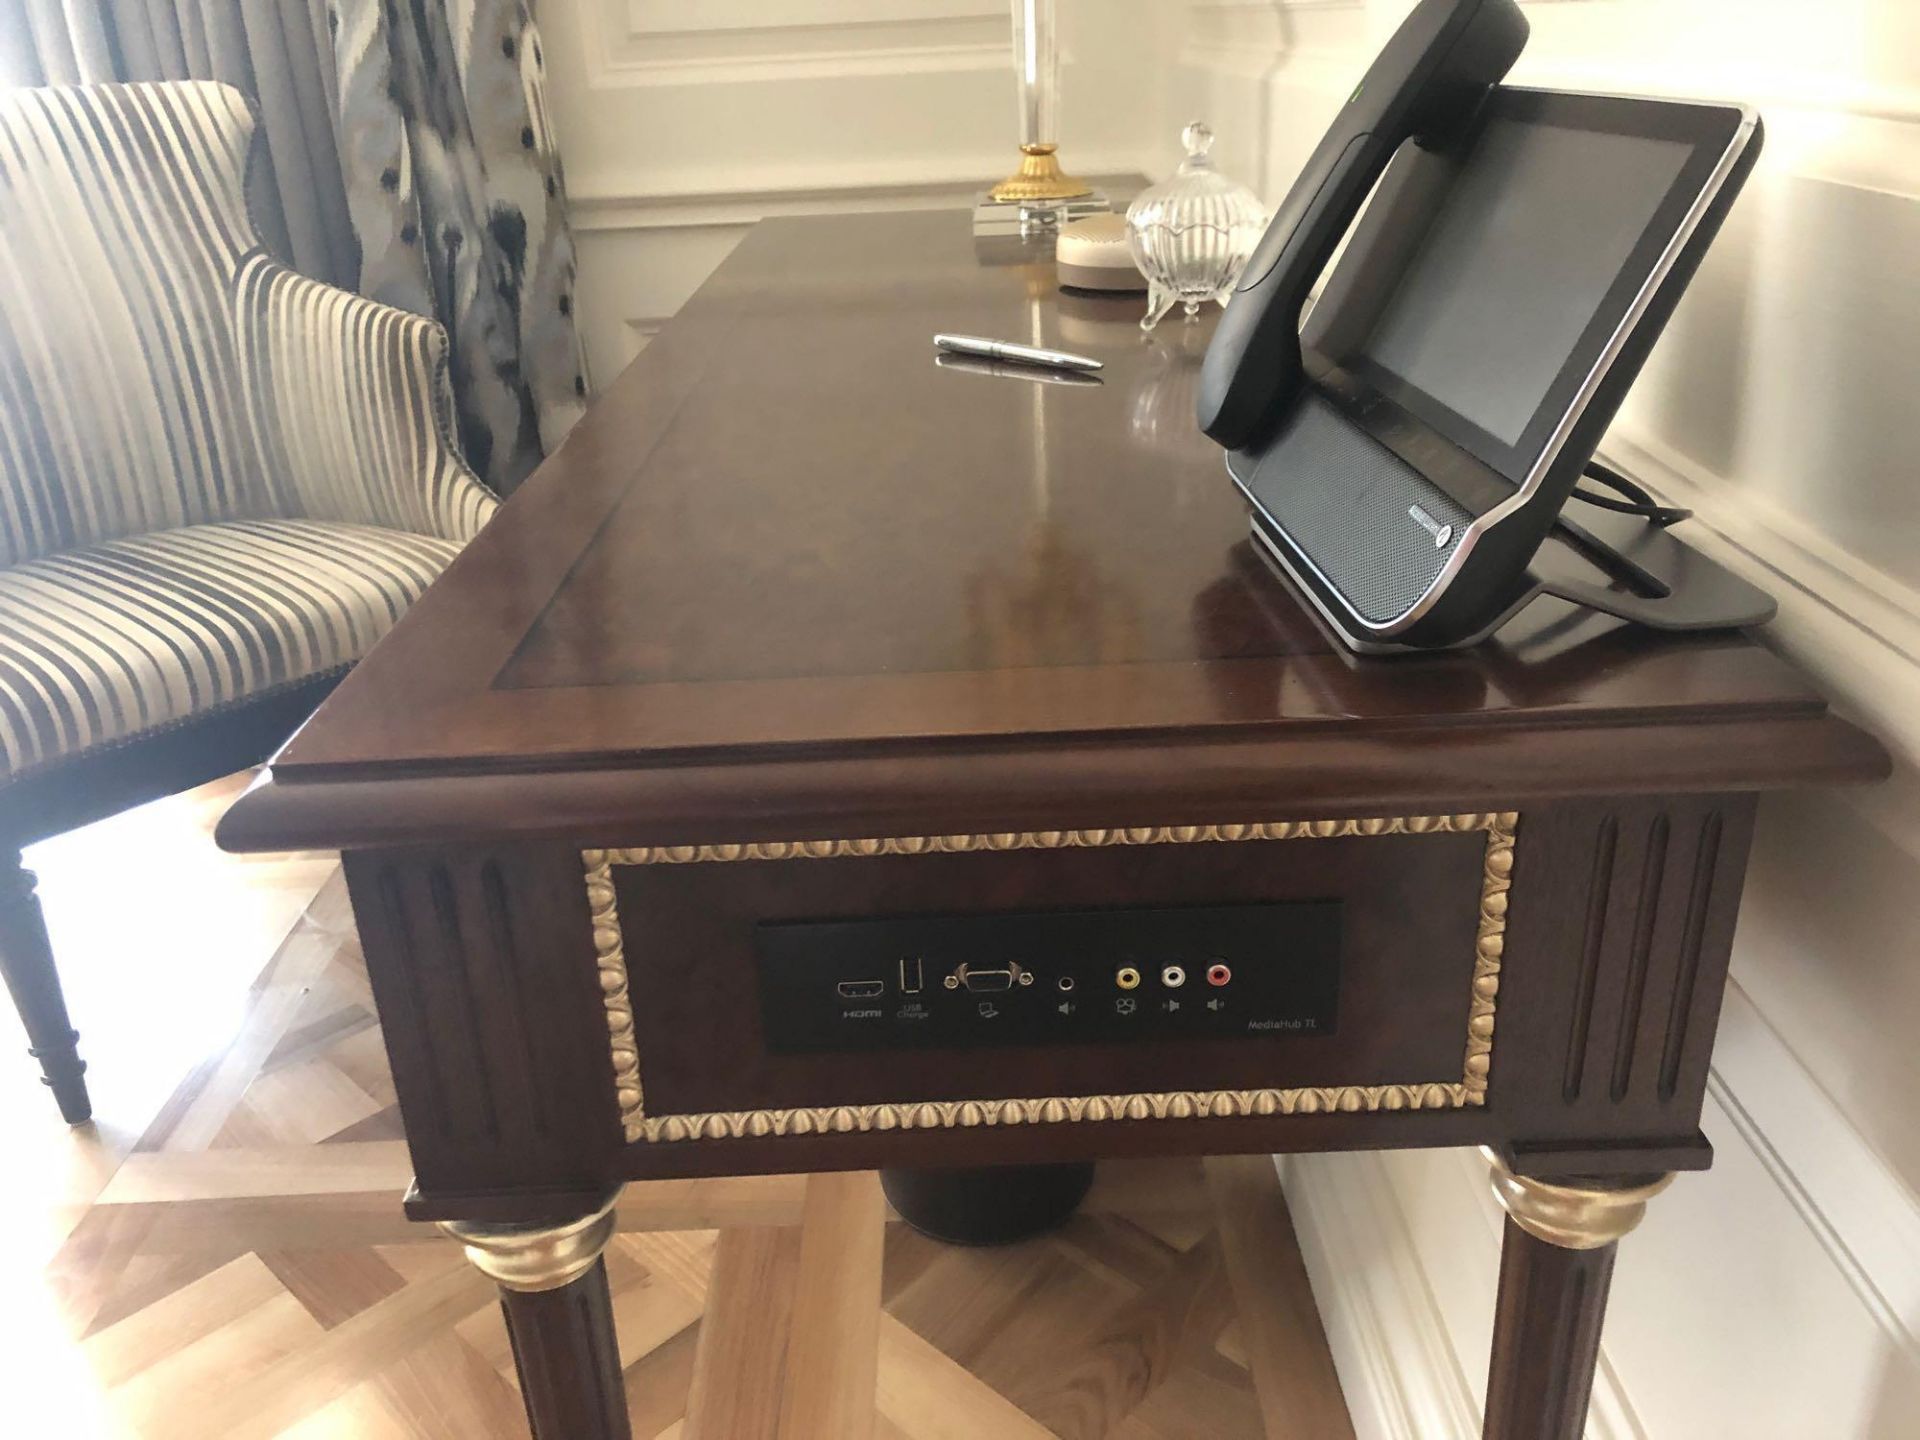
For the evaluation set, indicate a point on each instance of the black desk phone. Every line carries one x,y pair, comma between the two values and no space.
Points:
1405,456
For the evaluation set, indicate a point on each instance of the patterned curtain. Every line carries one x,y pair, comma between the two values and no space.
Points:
455,189
410,158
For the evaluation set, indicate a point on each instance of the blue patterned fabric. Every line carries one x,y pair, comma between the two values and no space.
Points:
457,196
407,156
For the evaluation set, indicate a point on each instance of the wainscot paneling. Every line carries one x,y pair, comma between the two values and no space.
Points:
684,121
678,41
1779,1294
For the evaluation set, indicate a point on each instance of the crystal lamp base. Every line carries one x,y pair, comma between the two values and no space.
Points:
1010,217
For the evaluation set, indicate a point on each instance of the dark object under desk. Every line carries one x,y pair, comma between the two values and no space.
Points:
798,626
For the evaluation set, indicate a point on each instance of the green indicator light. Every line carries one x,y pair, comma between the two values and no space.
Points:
1357,89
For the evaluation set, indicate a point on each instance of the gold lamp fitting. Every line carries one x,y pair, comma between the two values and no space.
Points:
1039,178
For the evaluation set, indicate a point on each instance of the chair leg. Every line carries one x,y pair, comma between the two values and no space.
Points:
26,959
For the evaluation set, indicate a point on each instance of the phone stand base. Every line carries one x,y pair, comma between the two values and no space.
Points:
1618,565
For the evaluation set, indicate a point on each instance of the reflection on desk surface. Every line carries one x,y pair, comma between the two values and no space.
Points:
784,526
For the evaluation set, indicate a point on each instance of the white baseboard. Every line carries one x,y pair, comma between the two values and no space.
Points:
1397,1363
1407,1299
1407,1371
1866,1220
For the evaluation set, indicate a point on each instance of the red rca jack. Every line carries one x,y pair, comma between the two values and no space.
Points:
1218,973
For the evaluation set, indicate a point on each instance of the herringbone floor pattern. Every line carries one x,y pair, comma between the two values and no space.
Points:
223,1254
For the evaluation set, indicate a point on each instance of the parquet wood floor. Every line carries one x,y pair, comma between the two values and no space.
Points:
223,1255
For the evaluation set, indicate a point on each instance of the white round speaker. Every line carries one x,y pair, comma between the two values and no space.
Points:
1092,254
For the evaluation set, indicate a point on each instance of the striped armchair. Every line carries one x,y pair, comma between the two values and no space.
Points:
220,482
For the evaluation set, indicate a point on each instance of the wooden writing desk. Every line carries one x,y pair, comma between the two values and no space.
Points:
798,625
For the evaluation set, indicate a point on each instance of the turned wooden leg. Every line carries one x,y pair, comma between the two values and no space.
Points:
553,1288
26,959
1555,1265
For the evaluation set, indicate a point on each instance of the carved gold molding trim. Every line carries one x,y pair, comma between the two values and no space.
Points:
1469,1089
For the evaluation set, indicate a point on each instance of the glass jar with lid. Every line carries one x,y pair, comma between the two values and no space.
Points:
1192,234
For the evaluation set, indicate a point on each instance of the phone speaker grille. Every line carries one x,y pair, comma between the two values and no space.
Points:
1377,531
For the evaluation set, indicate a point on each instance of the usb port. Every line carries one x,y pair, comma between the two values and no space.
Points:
910,975
860,989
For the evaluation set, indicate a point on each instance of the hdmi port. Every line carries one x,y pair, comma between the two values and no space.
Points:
861,989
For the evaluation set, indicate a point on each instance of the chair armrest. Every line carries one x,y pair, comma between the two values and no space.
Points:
351,406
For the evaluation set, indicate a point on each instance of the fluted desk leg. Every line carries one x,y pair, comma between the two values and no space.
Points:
1555,1266
553,1288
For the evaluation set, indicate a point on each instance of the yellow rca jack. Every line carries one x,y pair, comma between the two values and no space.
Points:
1127,978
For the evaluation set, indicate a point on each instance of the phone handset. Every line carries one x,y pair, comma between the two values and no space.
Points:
1428,83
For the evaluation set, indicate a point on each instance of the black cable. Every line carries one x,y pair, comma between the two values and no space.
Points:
1638,502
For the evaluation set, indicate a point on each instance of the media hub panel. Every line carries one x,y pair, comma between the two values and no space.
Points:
1229,971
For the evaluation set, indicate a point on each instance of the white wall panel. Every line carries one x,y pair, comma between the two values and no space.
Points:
674,41
684,121
1778,1295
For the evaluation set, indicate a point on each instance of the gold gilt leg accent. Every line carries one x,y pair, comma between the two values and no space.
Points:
1574,1217
553,1289
532,1258
1556,1265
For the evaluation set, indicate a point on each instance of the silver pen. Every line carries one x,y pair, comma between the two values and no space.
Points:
1032,374
1024,354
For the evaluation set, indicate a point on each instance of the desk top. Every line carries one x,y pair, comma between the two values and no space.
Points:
790,578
